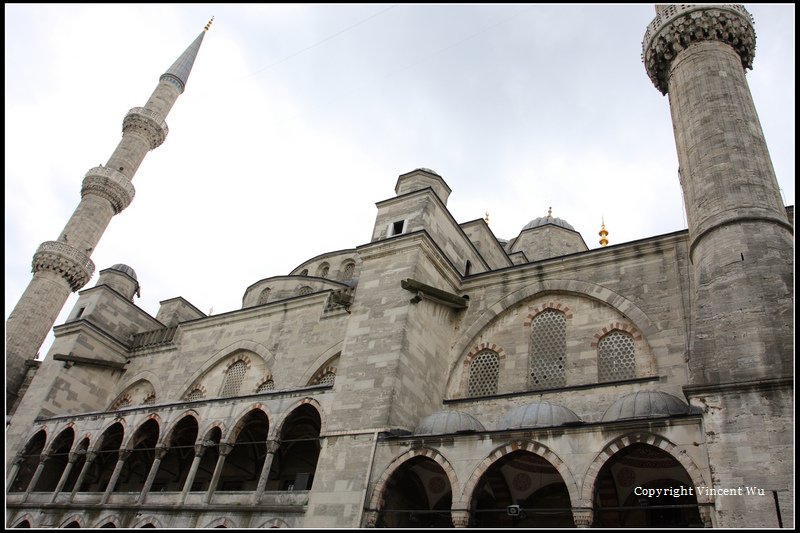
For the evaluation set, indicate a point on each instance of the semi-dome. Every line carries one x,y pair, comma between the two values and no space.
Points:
541,221
125,269
444,422
645,404
538,415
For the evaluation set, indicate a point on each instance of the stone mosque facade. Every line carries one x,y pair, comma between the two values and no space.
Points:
435,376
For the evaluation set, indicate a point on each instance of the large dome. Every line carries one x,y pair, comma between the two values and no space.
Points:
538,415
645,404
125,269
445,422
541,221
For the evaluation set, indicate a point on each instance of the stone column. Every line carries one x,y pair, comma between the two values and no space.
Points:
12,474
199,450
224,450
160,453
370,518
460,517
583,517
36,475
123,456
64,475
90,457
272,448
706,512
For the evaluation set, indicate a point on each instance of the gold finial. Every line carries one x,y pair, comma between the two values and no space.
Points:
549,212
208,25
603,233
486,218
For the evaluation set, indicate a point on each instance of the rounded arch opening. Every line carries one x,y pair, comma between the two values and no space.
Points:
176,463
622,495
295,462
58,458
417,494
99,473
29,461
143,451
243,464
521,489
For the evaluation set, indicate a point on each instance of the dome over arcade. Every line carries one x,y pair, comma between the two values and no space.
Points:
537,415
125,269
645,404
444,422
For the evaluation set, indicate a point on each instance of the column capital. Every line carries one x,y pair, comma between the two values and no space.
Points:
273,445
678,26
370,518
225,448
124,453
583,517
460,517
161,451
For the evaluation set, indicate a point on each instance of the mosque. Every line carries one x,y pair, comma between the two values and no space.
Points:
437,375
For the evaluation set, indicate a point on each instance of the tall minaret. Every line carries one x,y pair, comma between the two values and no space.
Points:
63,266
740,239
740,357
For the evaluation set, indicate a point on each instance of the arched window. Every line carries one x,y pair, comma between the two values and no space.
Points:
264,296
267,385
305,289
323,269
347,273
150,399
234,379
326,379
616,357
548,351
304,272
483,372
196,394
121,403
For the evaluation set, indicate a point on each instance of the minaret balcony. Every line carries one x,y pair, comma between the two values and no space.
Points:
677,26
146,123
109,184
61,258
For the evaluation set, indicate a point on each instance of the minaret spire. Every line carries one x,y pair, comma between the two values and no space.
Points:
63,266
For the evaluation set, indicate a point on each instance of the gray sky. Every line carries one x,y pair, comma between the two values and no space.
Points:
298,118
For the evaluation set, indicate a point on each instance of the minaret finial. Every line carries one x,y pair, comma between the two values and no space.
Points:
549,212
208,25
486,218
603,233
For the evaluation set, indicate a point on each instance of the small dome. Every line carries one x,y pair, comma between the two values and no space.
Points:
445,422
645,404
541,221
125,269
538,415
427,170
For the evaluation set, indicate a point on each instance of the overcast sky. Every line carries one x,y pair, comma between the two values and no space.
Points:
297,119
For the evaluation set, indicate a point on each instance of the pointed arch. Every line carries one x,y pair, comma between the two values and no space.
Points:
110,520
377,500
78,518
143,375
29,459
149,519
324,359
583,289
220,522
643,437
534,447
20,521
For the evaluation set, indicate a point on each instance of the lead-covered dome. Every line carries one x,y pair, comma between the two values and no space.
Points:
119,267
541,221
444,422
538,415
645,404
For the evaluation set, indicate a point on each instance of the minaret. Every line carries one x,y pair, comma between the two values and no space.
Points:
740,247
740,239
63,266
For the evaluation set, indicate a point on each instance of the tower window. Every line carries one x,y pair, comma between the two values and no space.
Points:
396,228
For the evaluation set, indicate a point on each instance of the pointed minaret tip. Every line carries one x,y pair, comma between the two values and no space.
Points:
603,233
178,73
208,24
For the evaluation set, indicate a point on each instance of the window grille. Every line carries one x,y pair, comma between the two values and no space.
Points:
322,272
615,357
196,394
150,399
305,289
233,379
326,379
264,296
123,402
347,275
548,353
483,372
266,386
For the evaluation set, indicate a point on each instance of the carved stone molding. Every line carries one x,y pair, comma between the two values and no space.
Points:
148,124
676,27
109,184
582,517
71,264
